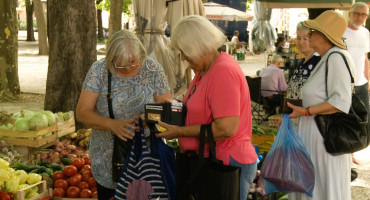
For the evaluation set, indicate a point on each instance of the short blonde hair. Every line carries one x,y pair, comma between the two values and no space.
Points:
126,45
195,36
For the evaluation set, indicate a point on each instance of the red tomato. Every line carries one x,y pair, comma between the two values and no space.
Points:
70,170
75,180
85,168
91,182
73,192
86,176
78,162
95,194
58,192
61,183
86,158
83,185
93,189
58,175
85,193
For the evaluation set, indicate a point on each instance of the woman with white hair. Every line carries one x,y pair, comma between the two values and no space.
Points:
135,81
218,95
321,96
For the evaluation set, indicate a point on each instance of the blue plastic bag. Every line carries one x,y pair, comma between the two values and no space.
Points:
288,166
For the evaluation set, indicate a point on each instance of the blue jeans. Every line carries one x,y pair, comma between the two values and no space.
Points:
247,175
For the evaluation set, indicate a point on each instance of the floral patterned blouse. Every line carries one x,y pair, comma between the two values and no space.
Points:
129,95
300,76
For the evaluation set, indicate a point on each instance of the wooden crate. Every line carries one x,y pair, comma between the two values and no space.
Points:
31,138
259,140
66,127
43,191
64,198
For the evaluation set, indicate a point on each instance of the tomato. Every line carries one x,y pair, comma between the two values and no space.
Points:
70,170
58,192
86,158
85,193
86,176
58,175
75,180
95,194
78,162
61,183
73,192
85,168
93,189
91,182
83,185
4,196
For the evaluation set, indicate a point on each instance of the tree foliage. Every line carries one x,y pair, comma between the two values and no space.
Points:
105,5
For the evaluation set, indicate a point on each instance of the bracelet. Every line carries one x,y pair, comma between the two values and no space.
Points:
308,111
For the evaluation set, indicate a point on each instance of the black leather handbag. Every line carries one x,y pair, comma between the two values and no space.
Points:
344,133
200,178
120,148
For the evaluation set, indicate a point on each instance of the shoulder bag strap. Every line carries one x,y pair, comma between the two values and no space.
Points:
211,142
109,95
326,69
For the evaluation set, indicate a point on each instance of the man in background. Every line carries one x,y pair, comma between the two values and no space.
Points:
357,39
273,84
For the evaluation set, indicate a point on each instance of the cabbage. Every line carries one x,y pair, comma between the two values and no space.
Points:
26,113
67,115
16,115
21,124
50,116
4,127
60,117
38,119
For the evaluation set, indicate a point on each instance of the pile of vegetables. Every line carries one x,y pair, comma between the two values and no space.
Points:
75,181
9,153
27,120
62,117
80,138
12,180
63,153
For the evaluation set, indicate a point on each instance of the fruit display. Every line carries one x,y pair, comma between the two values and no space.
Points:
12,180
75,181
79,138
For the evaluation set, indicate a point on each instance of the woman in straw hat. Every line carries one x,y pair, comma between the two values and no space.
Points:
332,173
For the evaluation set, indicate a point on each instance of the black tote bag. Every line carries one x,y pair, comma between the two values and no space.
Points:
344,133
201,178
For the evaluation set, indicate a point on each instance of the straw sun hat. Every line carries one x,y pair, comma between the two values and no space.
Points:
332,24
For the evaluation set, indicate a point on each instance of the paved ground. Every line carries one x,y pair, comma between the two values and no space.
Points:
33,72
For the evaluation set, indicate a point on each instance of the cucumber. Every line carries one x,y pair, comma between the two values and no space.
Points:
66,161
21,166
56,167
49,171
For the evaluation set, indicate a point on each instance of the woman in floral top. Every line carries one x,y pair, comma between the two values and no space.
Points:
136,80
309,61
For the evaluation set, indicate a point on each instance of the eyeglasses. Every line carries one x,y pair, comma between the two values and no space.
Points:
311,31
357,14
120,67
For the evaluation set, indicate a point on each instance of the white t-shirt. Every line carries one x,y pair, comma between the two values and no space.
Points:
358,43
233,39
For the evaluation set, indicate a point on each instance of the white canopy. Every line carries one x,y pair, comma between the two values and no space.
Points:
217,11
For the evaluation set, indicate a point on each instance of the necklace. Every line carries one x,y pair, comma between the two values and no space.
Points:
210,63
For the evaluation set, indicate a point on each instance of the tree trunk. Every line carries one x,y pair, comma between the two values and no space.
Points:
100,22
41,27
72,51
115,18
29,16
9,82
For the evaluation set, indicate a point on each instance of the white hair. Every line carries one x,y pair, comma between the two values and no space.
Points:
276,58
360,5
195,36
126,45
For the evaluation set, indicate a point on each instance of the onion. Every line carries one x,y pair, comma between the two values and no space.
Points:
43,156
71,147
63,153
59,147
76,152
65,143
56,154
71,156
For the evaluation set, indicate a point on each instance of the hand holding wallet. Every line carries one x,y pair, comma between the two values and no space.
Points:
296,102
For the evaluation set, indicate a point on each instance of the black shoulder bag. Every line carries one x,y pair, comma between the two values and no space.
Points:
120,147
201,178
344,133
